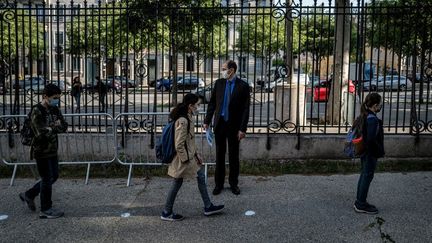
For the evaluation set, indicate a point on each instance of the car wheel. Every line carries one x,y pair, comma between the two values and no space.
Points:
402,87
373,88
163,88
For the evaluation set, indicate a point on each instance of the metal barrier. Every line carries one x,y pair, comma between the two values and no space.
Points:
136,136
87,135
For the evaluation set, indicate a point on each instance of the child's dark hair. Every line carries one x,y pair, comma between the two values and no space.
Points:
181,110
370,100
51,90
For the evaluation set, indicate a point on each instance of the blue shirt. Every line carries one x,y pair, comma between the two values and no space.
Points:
224,105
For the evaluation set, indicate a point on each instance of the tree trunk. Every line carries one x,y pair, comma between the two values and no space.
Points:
337,102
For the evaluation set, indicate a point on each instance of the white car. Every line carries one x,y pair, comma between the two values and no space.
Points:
390,82
304,79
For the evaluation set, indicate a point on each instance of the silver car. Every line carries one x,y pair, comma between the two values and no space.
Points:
390,82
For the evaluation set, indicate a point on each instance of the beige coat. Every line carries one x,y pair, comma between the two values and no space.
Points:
184,164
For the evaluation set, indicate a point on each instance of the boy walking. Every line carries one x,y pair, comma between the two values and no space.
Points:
46,122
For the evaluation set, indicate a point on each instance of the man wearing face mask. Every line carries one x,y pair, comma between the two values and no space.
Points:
46,122
229,110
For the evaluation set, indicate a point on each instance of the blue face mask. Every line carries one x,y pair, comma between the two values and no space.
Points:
54,102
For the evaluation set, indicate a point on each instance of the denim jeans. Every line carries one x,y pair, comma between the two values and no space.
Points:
177,183
48,171
369,164
78,101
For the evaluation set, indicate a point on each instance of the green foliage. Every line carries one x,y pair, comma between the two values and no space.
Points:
20,32
404,26
145,25
263,34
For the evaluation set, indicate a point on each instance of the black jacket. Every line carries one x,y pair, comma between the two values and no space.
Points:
45,142
238,108
373,135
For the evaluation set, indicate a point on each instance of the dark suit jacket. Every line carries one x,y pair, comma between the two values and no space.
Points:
238,108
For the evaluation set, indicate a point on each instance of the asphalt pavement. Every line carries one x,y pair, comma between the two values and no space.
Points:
289,208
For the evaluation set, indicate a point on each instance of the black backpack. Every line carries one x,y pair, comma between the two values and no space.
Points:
27,133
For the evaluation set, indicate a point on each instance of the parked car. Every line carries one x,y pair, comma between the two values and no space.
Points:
250,82
112,84
388,83
125,82
321,90
64,86
30,83
273,74
190,82
418,78
270,87
204,93
165,84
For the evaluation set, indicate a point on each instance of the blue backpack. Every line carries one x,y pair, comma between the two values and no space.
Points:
354,144
165,149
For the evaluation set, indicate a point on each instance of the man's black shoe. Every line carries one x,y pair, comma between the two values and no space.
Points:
217,190
30,202
235,190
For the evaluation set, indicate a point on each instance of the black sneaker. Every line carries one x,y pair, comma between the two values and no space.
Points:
51,214
30,202
171,216
366,208
213,209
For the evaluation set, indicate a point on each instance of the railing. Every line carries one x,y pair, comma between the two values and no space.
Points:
82,144
138,133
142,50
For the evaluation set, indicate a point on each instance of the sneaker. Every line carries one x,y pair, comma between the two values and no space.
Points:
30,202
213,209
171,216
51,214
367,208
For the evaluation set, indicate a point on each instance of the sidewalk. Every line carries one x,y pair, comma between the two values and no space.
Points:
289,208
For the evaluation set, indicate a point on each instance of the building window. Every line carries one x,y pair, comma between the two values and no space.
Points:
75,11
76,63
40,12
59,14
190,63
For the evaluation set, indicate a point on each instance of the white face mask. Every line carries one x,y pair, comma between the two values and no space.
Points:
225,74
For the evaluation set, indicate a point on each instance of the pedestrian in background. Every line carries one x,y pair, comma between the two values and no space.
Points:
76,93
373,138
102,90
187,163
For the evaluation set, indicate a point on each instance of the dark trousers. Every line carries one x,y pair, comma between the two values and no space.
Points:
102,97
369,164
224,133
48,171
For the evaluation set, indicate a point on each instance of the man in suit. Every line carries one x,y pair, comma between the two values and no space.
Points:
229,110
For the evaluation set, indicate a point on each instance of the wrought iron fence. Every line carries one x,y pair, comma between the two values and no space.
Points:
309,67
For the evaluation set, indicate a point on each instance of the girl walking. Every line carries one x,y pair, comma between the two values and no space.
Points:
187,163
